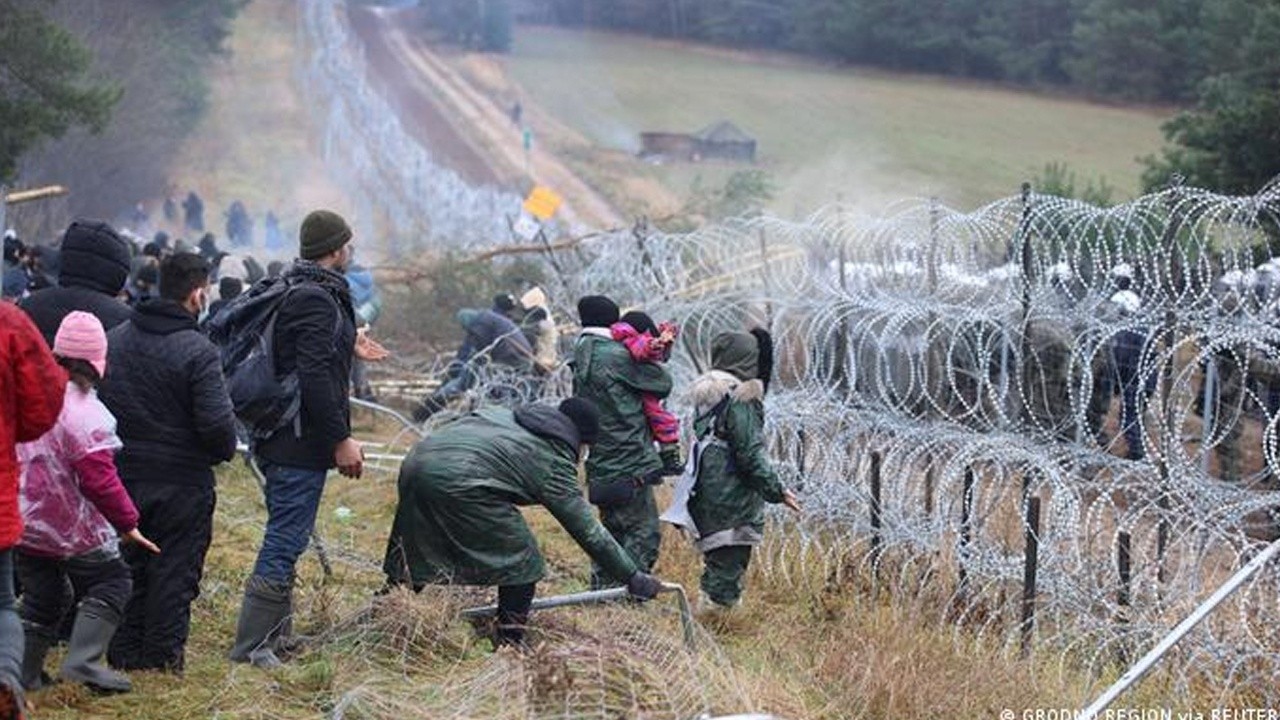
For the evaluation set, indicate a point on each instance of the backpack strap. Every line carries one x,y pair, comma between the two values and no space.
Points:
717,412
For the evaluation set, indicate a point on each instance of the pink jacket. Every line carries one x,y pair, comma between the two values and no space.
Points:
645,348
71,498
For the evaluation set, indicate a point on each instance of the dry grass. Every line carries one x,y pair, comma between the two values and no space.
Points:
804,648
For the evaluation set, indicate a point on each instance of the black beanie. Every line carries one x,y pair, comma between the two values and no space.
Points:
322,232
585,417
640,321
229,288
504,303
597,311
94,256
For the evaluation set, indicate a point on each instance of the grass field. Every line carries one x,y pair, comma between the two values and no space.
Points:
824,133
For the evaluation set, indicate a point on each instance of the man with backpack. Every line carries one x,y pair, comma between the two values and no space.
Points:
310,343
174,417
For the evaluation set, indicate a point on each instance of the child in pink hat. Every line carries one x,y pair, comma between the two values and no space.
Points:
75,511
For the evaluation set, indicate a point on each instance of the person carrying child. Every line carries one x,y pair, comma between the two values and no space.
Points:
651,343
75,511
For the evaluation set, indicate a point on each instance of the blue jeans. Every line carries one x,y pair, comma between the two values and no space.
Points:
293,498
11,640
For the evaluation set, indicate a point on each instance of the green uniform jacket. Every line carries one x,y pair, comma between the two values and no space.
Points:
605,374
735,477
457,520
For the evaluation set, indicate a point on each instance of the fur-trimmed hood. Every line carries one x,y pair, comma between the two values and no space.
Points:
711,387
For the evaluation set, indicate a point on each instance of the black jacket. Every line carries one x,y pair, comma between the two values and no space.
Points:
315,334
49,306
164,385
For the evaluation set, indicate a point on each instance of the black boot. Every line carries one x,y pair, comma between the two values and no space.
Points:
264,619
38,640
514,602
95,623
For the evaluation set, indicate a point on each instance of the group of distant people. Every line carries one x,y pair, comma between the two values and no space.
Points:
239,223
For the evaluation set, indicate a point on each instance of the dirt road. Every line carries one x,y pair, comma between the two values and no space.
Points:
465,129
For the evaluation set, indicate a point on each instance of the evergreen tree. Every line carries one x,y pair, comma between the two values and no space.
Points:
46,87
1230,141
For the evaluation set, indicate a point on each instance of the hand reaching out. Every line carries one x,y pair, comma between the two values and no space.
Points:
136,537
368,349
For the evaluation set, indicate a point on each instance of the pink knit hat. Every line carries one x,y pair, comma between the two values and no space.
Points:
81,337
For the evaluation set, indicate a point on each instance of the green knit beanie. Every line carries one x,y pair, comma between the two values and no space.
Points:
323,231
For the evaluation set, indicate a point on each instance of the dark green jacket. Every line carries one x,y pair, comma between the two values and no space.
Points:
605,374
735,477
457,519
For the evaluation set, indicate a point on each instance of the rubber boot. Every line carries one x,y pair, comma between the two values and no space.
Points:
39,638
95,623
264,617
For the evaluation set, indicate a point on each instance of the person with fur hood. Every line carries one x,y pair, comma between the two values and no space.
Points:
733,478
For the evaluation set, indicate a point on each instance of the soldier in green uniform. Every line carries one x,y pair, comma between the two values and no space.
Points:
457,520
734,476
623,464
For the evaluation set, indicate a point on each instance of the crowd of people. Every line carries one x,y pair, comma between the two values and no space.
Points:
117,402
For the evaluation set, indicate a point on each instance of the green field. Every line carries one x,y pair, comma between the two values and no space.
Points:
828,133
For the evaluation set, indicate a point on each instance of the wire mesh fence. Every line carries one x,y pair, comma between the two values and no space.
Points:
388,175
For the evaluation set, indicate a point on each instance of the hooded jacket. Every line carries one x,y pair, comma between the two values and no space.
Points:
95,266
735,477
496,333
165,387
457,519
604,373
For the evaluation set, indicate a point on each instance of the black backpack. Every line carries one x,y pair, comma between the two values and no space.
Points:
243,331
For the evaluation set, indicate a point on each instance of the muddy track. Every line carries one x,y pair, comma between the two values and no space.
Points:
422,114
472,128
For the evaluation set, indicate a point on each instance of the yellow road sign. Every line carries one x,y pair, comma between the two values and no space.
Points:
542,202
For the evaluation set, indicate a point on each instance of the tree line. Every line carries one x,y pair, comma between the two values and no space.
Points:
99,94
1148,50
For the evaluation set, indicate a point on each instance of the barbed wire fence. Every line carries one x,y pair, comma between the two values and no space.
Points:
1056,421
387,173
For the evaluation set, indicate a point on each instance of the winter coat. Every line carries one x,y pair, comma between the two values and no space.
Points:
166,389
457,520
315,334
540,330
645,348
365,297
49,306
735,477
72,499
94,267
32,389
491,332
604,373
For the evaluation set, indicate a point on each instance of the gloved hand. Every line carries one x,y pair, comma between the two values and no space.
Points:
671,462
644,586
